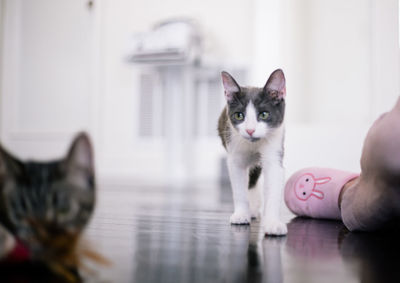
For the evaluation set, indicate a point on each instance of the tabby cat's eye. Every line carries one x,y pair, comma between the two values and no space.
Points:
263,115
238,116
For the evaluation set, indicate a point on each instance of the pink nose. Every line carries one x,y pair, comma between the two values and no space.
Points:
250,131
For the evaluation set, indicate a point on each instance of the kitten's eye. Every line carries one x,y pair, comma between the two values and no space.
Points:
263,115
238,116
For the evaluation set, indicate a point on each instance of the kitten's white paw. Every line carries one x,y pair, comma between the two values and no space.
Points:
275,228
240,218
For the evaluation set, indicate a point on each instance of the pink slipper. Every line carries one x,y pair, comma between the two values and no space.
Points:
314,192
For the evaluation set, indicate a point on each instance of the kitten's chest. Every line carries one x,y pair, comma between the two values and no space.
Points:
247,152
254,153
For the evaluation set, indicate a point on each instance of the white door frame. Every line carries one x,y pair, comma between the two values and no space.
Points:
10,131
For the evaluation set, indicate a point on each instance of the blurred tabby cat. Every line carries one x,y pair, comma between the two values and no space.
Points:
44,206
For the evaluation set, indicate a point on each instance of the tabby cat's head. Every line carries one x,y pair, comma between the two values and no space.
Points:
48,198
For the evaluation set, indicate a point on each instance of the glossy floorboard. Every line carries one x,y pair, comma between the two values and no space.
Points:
172,235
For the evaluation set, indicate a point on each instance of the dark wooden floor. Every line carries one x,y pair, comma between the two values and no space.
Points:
172,235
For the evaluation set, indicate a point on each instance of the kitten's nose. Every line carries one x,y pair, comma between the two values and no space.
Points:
250,131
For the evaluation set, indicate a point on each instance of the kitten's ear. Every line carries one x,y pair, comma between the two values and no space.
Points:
80,163
276,85
230,85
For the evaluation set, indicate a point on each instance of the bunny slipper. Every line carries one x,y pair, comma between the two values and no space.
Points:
314,192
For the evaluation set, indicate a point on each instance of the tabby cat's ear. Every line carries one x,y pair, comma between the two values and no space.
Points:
276,85
3,168
80,163
9,164
230,85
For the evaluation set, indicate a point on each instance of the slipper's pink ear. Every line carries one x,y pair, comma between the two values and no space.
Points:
230,85
276,85
321,181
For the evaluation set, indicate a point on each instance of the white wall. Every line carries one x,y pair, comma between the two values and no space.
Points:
340,59
325,47
339,68
46,78
1,50
385,55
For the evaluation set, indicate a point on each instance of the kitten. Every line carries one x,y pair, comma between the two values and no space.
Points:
46,205
252,131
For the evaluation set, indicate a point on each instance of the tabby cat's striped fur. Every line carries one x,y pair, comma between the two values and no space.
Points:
46,205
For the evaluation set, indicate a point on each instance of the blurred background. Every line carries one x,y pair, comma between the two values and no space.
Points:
143,78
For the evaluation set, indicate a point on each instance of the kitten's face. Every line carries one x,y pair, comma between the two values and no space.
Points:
255,112
57,194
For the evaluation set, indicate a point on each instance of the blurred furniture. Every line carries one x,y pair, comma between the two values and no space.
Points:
180,98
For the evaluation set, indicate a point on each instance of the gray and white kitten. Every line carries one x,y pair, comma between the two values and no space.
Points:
252,131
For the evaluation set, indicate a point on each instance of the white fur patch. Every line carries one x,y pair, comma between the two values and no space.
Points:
256,199
251,123
273,184
244,154
239,180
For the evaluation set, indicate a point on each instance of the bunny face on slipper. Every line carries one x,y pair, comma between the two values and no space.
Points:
307,186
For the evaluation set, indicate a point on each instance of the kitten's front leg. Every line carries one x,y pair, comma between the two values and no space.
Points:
273,190
239,182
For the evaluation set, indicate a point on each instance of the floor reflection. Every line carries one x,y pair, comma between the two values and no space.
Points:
189,250
198,250
314,239
376,253
185,236
358,257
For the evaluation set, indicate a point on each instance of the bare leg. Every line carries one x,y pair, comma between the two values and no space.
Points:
345,187
372,201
